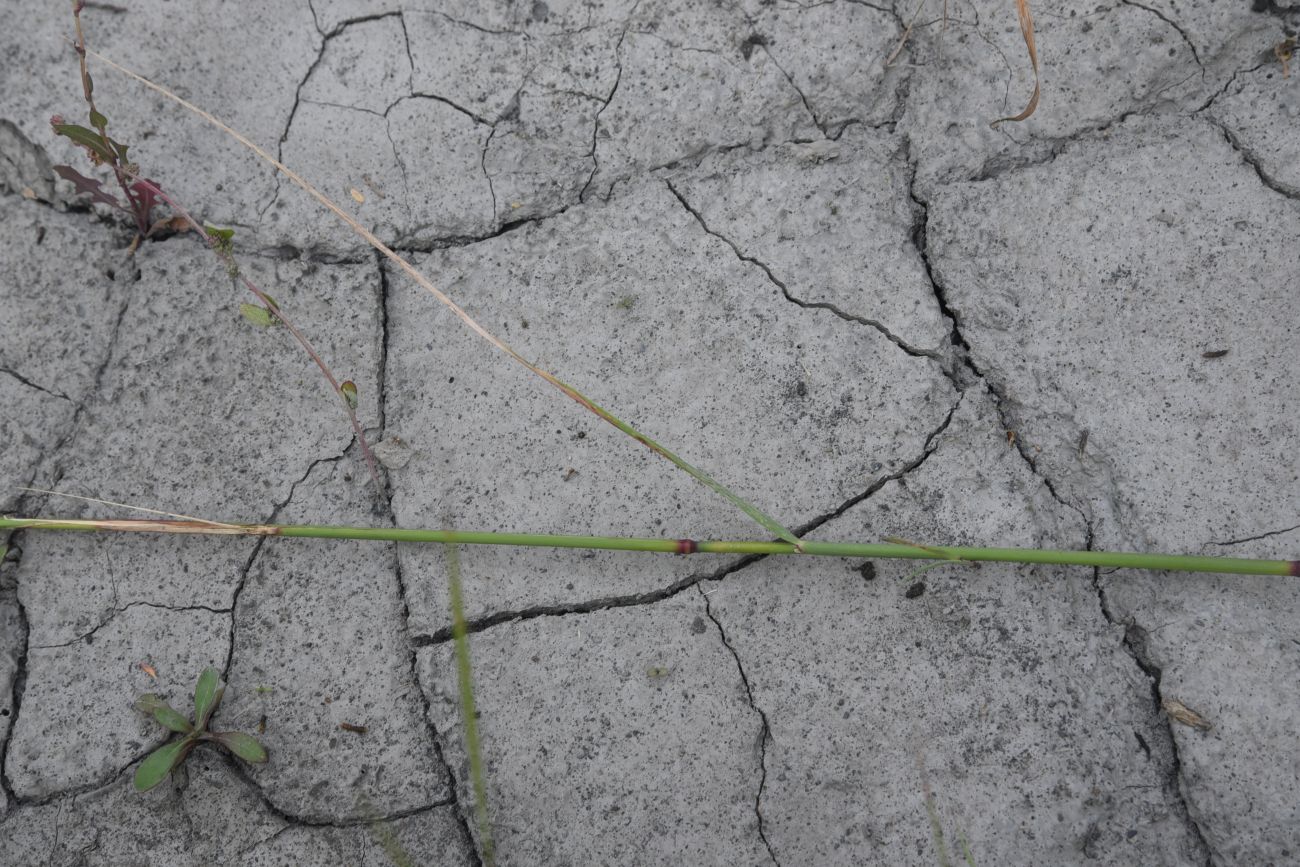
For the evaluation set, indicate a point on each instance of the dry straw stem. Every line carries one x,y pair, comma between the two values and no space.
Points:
759,516
898,49
1027,31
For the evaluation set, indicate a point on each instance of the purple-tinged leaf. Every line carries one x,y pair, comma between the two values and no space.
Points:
143,197
88,186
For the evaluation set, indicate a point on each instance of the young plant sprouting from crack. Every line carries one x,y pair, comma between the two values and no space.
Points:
207,696
936,825
468,711
144,195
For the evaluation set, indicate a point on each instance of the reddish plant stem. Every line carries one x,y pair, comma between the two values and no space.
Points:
88,90
232,266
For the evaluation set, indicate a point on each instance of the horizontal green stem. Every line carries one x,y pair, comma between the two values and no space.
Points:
886,550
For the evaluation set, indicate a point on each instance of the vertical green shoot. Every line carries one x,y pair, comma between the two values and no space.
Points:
936,827
468,714
384,834
965,849
936,831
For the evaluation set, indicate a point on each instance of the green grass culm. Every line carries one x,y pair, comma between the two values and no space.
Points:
868,550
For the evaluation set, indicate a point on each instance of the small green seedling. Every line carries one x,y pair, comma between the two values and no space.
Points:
162,761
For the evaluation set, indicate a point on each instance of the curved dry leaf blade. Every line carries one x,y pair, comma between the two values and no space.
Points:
207,695
158,764
245,746
1027,31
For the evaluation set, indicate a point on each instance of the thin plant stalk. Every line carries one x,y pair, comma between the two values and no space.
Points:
763,519
468,712
868,550
385,834
228,259
932,813
97,120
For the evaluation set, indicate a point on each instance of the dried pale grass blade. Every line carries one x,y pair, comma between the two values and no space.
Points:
704,478
129,506
1027,31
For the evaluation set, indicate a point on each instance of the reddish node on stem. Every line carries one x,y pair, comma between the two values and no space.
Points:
687,546
1295,568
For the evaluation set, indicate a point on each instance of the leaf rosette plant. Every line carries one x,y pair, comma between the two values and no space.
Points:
208,692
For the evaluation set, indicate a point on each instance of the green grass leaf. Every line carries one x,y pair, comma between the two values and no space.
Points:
468,713
207,695
173,720
158,764
245,746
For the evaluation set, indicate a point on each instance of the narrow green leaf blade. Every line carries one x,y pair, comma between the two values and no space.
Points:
468,712
173,720
762,518
245,746
207,695
158,764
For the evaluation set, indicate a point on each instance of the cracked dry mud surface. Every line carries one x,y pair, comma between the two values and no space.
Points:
824,279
